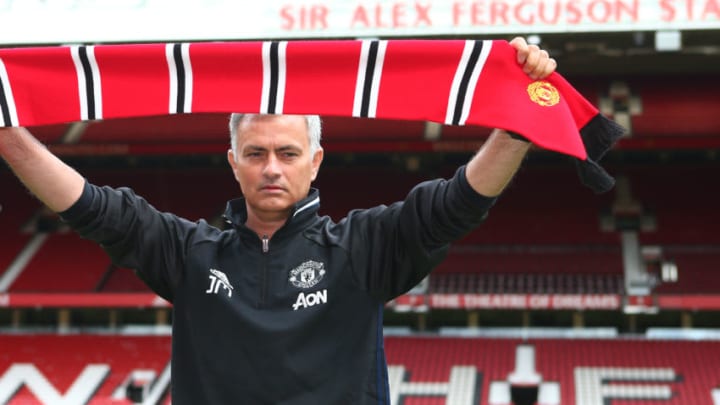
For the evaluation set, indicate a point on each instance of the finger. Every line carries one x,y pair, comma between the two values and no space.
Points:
518,43
533,58
544,54
549,68
539,71
521,48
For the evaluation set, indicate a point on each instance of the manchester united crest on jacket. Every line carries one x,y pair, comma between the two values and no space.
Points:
307,275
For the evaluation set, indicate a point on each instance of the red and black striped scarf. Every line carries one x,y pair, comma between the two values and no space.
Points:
455,82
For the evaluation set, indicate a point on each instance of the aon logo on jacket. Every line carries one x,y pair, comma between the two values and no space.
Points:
310,299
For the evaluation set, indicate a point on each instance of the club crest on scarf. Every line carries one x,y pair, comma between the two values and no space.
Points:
307,275
543,93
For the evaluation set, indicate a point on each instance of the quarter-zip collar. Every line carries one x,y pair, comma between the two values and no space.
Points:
302,214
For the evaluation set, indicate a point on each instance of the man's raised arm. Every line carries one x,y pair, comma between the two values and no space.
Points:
44,174
492,168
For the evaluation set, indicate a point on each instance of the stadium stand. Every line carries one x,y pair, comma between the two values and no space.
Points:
587,372
500,270
682,208
65,263
697,272
423,370
16,208
75,369
546,205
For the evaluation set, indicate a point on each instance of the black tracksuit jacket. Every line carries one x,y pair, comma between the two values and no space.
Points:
293,320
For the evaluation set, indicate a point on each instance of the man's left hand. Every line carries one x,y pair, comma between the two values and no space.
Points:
535,61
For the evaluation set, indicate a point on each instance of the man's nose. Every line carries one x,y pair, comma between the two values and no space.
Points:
272,168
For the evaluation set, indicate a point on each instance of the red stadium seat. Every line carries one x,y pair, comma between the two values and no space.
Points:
77,368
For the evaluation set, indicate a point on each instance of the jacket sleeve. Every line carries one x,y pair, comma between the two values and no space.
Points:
393,248
134,234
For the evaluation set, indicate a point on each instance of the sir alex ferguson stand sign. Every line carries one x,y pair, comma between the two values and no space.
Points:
81,21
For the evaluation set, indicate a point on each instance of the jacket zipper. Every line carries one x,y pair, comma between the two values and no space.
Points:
263,278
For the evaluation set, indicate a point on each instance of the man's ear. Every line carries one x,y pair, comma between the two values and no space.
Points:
316,161
233,163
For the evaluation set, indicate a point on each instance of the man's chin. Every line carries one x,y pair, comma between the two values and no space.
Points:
275,205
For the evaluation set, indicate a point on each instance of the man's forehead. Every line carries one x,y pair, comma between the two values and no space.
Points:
269,119
280,130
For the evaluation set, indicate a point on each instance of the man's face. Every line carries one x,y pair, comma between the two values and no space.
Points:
273,164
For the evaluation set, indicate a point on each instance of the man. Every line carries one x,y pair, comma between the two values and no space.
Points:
286,306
